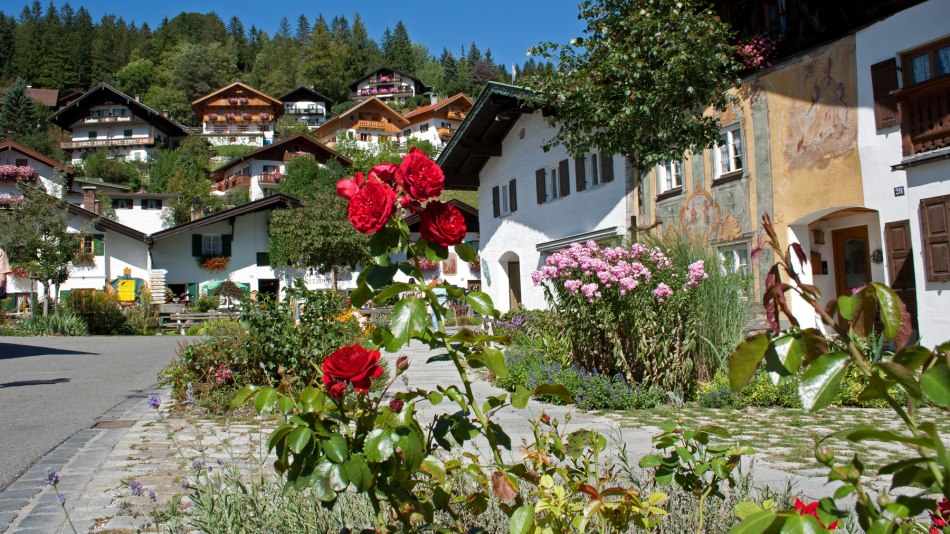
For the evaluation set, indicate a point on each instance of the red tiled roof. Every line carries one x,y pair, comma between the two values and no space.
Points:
4,145
432,107
47,97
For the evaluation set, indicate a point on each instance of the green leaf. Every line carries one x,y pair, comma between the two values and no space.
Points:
522,521
743,510
757,523
277,435
435,468
410,444
480,302
286,405
902,376
360,295
935,383
436,252
391,291
357,471
381,275
335,448
890,309
378,446
299,438
912,357
519,399
802,524
745,360
328,478
242,395
495,361
784,357
408,318
846,305
820,381
265,400
554,390
465,252
651,461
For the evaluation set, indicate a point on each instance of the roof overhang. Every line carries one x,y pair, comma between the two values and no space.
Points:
108,224
105,93
922,158
277,201
594,235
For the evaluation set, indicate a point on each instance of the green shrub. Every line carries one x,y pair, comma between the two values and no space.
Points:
205,304
141,319
61,323
100,310
232,151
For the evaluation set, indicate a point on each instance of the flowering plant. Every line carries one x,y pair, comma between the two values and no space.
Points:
277,176
475,266
9,201
214,263
19,272
757,52
17,172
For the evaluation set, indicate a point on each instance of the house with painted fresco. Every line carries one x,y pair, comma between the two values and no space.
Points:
107,119
238,114
21,164
368,123
437,122
903,134
258,172
307,106
532,202
389,85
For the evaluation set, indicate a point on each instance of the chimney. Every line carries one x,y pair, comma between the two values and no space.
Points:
89,201
433,98
197,210
165,113
137,98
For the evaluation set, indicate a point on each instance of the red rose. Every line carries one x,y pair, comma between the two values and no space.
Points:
545,418
337,390
355,365
372,206
348,187
412,205
442,224
386,172
420,176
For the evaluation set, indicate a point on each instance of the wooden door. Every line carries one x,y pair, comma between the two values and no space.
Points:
514,285
852,258
900,265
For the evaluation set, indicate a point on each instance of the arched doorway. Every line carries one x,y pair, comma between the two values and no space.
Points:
852,257
511,264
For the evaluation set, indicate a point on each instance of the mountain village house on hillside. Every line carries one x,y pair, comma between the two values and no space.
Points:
437,122
238,115
389,85
367,123
258,172
305,105
108,119
23,164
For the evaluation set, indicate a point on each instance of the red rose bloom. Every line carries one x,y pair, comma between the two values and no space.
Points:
386,172
371,207
812,510
419,176
348,187
355,365
337,390
442,224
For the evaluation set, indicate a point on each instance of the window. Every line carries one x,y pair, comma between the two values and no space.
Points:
122,203
505,199
735,258
270,169
365,137
594,170
22,162
87,245
925,63
669,175
407,132
553,185
446,125
263,259
127,133
728,153
151,203
92,134
211,245
423,128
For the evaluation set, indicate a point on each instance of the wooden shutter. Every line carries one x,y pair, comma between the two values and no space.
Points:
226,245
263,259
512,196
900,264
564,176
495,202
196,245
936,232
580,177
97,246
606,167
539,183
883,81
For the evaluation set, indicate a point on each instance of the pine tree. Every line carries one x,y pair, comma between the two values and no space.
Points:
28,42
363,53
7,46
237,44
80,46
19,117
397,50
303,29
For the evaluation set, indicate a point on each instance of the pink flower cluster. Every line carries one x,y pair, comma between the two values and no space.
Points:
758,52
8,201
696,272
17,172
590,269
223,374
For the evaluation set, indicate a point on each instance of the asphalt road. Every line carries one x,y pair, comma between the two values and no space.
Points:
52,387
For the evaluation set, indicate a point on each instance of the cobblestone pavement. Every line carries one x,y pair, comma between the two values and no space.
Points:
97,466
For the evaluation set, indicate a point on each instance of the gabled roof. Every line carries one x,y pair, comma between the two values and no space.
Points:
304,93
480,135
99,182
27,151
47,97
437,106
468,211
108,224
423,88
215,94
279,200
102,93
275,151
333,124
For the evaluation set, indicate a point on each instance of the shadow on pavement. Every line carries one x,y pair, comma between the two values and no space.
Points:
22,383
14,350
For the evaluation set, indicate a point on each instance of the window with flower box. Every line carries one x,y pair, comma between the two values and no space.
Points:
211,245
728,153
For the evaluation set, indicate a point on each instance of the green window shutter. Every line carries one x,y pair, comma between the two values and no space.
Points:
226,245
97,246
196,245
263,259
193,291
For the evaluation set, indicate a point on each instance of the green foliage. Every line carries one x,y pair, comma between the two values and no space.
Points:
232,151
205,303
638,60
114,170
172,100
61,323
197,69
100,310
136,77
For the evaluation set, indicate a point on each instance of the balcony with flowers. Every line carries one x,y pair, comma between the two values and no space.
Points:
21,173
233,184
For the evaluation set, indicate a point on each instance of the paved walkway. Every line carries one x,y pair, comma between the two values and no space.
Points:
98,465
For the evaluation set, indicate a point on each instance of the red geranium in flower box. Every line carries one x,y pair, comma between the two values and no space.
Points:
213,263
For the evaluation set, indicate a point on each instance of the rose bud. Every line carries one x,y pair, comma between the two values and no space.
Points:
337,390
402,363
348,187
545,418
385,172
396,404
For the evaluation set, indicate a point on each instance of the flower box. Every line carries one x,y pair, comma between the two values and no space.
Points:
213,263
17,172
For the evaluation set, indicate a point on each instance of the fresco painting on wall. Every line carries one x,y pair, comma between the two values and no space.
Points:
700,215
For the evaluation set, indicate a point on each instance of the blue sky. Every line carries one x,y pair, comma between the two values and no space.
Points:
508,27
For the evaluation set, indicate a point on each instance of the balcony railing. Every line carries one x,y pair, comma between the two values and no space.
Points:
376,125
233,183
456,115
368,93
446,133
291,155
385,79
269,178
925,116
314,110
98,120
98,143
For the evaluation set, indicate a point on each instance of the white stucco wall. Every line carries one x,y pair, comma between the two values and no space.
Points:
50,178
879,150
515,236
147,221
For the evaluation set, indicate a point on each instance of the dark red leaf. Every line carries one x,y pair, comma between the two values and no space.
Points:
903,335
799,253
589,490
502,487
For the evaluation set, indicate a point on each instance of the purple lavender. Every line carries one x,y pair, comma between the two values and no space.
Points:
61,498
52,477
136,488
151,495
154,402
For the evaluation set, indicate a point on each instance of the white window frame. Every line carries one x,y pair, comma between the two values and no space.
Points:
669,175
423,128
593,171
730,139
553,186
736,258
211,245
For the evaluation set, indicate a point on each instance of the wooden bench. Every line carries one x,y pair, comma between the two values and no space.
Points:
183,321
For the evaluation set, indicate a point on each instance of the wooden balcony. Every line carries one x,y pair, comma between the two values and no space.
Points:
925,116
291,155
356,95
233,183
446,133
99,120
268,178
376,125
313,110
456,115
107,143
